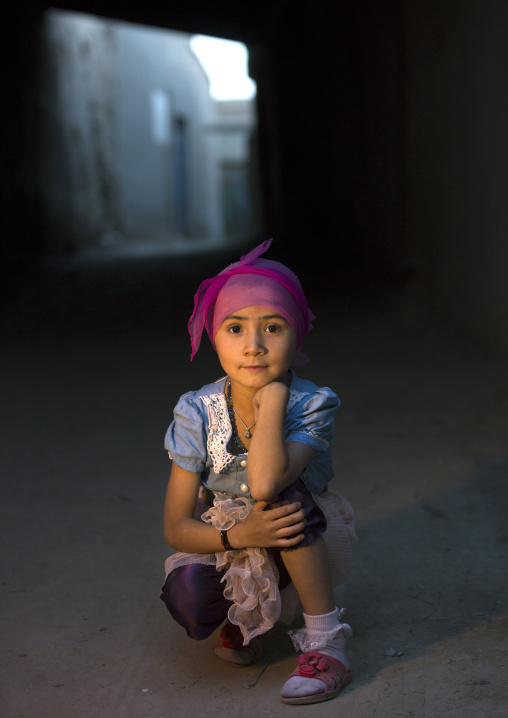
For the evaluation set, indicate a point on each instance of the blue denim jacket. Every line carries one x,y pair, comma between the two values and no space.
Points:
198,438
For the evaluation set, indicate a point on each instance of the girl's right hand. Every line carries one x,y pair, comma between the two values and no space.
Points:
269,528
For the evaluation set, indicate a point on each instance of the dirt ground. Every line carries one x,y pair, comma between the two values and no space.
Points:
93,359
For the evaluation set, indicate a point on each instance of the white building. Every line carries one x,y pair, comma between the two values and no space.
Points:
136,149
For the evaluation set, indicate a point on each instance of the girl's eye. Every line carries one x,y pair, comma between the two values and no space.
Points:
235,329
272,328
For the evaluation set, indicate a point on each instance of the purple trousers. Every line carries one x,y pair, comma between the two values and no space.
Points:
194,595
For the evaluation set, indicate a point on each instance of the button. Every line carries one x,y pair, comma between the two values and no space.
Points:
244,488
243,462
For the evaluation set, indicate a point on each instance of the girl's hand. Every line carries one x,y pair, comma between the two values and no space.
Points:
275,391
269,528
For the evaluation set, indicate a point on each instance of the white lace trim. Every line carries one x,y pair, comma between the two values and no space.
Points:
304,640
219,427
219,431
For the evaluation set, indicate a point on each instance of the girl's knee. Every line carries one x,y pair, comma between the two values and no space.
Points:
315,518
194,597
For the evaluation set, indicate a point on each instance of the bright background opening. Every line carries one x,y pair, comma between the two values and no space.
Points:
226,64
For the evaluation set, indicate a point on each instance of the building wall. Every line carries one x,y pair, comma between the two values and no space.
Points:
168,181
78,172
134,145
457,158
232,139
331,135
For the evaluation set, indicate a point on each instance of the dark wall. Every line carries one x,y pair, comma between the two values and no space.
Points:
20,210
330,95
330,87
457,158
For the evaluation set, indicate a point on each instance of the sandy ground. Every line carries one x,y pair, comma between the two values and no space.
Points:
93,360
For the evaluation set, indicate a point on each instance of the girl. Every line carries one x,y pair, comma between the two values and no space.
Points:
251,542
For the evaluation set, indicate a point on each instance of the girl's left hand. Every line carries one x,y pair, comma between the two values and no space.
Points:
265,527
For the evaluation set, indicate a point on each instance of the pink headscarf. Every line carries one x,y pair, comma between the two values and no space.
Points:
250,282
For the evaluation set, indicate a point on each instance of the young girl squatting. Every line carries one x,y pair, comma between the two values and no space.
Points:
248,510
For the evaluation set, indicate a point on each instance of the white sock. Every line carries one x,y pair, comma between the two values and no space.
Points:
336,646
297,686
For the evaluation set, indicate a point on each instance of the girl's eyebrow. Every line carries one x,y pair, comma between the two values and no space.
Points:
237,317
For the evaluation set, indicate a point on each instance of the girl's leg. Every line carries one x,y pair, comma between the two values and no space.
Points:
307,563
194,596
323,635
310,573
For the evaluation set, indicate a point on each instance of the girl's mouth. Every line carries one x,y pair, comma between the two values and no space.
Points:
254,368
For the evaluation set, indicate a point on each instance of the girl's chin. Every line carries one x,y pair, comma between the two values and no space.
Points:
256,379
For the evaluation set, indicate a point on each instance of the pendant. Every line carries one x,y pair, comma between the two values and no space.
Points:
248,435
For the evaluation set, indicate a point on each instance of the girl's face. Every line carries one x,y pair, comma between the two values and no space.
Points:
255,346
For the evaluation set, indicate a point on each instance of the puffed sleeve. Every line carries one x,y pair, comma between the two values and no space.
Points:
185,439
312,420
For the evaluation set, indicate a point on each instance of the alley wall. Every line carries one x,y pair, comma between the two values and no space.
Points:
457,159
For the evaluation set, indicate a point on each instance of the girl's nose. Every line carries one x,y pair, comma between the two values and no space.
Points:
254,343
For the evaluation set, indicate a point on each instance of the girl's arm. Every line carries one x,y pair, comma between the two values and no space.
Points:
277,528
273,462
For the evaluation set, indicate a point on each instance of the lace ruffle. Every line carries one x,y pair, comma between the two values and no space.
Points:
219,431
227,511
304,641
250,575
219,427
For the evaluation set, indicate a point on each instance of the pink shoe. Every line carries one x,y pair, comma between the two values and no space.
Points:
330,671
232,650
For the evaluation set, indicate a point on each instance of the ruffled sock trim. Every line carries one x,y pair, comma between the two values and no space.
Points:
305,640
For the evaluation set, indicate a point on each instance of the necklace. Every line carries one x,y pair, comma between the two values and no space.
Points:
232,411
248,435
